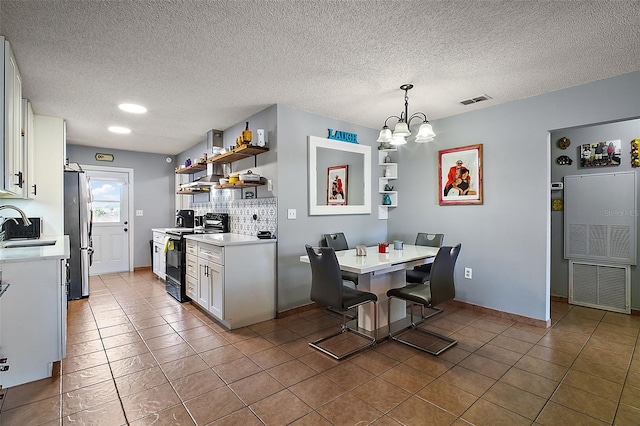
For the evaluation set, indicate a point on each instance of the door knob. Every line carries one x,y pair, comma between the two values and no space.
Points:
126,229
126,223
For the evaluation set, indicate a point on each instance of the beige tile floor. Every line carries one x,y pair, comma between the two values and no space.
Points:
136,356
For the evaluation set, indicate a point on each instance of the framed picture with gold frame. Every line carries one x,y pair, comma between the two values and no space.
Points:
460,175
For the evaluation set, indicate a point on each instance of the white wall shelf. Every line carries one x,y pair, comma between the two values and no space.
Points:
389,174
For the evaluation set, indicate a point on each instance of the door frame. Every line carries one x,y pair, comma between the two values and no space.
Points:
129,172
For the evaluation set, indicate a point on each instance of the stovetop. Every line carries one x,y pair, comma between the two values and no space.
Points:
189,231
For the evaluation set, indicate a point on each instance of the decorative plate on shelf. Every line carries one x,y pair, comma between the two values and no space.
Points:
563,143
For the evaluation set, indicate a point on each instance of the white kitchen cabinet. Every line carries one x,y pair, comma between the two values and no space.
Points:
12,161
33,319
29,186
159,258
236,282
208,272
192,287
191,271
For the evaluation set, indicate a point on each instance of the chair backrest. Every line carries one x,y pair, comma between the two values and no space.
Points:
430,240
336,241
326,279
441,281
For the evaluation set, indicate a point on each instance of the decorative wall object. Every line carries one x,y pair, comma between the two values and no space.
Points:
635,154
337,185
563,143
460,175
343,136
564,160
100,156
557,204
598,154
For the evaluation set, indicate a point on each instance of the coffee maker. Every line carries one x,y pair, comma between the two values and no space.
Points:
185,219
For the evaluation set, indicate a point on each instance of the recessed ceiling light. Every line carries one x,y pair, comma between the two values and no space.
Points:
121,130
133,108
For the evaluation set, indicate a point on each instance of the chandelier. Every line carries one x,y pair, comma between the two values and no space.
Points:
401,130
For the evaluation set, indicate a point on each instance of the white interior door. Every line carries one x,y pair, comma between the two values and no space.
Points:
111,233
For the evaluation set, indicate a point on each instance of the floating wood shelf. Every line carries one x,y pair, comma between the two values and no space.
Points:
191,191
239,185
194,168
237,154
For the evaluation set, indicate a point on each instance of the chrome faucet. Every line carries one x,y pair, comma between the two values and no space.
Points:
25,219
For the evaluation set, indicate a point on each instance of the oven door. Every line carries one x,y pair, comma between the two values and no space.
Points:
175,258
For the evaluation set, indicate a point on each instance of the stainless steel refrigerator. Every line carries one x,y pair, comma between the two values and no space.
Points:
77,225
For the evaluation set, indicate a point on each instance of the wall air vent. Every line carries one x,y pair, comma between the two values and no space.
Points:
476,100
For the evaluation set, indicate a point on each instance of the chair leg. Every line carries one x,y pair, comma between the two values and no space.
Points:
414,326
344,328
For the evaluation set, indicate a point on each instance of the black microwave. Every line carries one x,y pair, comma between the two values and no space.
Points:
14,230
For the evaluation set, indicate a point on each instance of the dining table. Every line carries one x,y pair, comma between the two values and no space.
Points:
379,272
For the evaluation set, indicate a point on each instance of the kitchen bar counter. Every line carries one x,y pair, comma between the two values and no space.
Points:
228,239
59,250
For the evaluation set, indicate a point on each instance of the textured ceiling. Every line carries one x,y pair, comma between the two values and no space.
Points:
198,65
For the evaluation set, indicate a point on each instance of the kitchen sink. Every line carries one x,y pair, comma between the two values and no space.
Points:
27,243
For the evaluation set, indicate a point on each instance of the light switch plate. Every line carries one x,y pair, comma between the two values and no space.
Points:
139,213
291,213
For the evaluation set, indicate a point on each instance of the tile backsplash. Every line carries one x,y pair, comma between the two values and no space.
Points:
241,213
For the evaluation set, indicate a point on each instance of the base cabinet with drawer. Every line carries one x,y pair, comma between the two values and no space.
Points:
234,283
33,319
191,270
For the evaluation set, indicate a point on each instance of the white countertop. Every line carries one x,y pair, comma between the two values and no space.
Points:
60,250
227,239
163,230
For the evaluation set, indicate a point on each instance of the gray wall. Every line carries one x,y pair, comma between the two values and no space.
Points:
294,126
153,191
506,240
625,131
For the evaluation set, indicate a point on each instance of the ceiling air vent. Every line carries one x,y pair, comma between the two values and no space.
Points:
475,100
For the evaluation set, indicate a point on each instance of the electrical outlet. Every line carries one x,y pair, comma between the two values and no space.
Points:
468,273
291,213
139,212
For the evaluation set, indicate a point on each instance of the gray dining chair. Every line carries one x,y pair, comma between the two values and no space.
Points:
439,289
328,289
338,242
420,274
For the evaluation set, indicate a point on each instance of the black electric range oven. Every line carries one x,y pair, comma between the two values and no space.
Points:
214,223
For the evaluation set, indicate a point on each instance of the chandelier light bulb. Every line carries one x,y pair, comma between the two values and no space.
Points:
401,129
425,133
385,135
398,140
